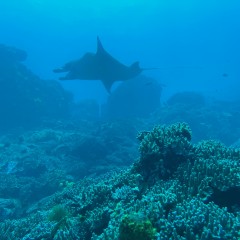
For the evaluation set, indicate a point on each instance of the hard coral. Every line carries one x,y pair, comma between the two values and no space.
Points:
163,149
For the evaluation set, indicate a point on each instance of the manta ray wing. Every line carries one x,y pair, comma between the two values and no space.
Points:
82,69
110,67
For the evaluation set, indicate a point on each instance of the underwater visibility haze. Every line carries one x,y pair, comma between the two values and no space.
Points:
194,42
142,140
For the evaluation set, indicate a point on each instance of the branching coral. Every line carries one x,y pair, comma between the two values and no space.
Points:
163,149
169,193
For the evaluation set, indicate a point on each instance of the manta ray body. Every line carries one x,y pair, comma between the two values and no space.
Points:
99,66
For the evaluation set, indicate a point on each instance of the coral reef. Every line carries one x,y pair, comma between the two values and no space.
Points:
73,179
135,227
137,97
163,149
125,204
38,163
25,99
190,99
208,119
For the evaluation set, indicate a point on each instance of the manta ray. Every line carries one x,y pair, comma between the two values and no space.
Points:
99,66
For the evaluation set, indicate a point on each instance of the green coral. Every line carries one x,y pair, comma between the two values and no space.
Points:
136,227
57,213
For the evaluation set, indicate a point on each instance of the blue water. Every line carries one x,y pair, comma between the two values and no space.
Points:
195,43
174,185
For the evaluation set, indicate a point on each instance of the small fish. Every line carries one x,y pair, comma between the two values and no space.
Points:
225,75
